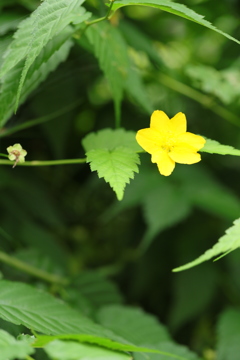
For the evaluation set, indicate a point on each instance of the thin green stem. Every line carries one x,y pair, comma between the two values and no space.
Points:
34,122
4,155
102,18
32,270
45,163
205,100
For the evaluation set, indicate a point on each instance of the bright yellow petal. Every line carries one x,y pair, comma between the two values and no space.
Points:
184,155
179,123
149,139
195,141
159,120
165,164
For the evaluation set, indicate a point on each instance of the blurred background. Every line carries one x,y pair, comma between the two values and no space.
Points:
66,221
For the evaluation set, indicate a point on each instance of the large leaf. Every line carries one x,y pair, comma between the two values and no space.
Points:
214,147
174,8
116,166
50,57
10,348
132,323
111,51
23,304
49,19
227,243
71,350
228,329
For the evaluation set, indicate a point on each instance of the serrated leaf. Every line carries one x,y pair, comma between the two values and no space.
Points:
116,166
227,243
214,147
55,52
23,304
174,8
110,139
71,350
42,340
111,51
98,290
10,348
133,323
163,207
228,330
49,19
180,352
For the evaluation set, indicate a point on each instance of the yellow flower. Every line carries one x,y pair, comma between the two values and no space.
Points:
168,141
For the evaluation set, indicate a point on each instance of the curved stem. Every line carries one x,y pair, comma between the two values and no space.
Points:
45,163
32,270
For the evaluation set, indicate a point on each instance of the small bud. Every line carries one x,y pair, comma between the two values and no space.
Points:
16,153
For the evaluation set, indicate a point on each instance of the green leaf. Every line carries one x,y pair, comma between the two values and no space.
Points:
115,166
133,324
55,52
71,350
111,51
163,207
180,352
39,311
214,147
49,19
227,243
174,8
98,290
110,139
228,329
213,82
42,340
112,153
12,348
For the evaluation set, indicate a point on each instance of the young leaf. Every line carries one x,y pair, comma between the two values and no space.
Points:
133,323
72,350
111,51
10,348
228,329
49,19
227,243
55,52
214,147
115,166
174,8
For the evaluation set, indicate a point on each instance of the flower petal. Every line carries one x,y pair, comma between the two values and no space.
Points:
149,139
184,155
195,141
165,164
159,120
179,123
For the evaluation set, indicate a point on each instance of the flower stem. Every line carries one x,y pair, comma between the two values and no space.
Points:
32,270
45,163
4,155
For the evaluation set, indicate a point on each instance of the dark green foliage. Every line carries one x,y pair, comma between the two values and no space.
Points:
83,275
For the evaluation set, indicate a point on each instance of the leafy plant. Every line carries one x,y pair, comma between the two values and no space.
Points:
79,262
